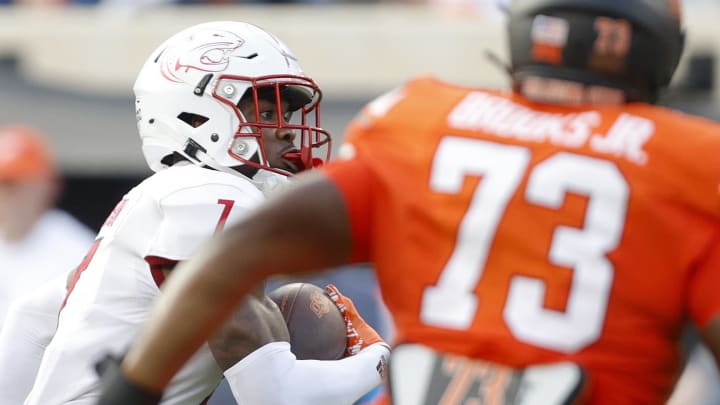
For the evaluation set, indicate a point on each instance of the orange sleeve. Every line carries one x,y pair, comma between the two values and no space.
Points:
704,300
354,180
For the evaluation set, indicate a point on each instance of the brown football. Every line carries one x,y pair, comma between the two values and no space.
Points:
316,326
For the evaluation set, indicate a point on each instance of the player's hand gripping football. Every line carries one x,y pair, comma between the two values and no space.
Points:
359,334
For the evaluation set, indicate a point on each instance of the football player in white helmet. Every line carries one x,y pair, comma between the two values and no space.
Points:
230,84
225,114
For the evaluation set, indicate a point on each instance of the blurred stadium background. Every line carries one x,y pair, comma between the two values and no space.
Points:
68,66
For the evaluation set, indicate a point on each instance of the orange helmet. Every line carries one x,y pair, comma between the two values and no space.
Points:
25,154
631,45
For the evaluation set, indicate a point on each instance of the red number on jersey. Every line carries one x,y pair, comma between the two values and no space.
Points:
227,206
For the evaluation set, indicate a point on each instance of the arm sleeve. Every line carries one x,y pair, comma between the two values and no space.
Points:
272,375
704,301
28,329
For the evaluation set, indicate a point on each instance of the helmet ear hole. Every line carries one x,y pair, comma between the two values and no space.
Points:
194,120
239,147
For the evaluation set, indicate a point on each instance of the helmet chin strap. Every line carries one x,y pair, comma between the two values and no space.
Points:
198,154
205,159
265,180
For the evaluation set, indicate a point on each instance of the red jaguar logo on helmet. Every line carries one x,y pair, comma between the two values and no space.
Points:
206,51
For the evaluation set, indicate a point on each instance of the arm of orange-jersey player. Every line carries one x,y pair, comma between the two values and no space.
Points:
704,304
711,336
304,228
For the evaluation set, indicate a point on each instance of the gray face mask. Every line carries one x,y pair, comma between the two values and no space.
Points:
269,182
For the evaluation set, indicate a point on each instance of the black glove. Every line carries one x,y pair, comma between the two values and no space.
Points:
118,390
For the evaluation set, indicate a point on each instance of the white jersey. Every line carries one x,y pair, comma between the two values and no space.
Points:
167,216
30,324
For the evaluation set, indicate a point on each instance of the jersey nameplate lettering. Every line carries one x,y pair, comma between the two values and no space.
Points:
626,138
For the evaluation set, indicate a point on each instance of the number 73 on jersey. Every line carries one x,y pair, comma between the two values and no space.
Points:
452,303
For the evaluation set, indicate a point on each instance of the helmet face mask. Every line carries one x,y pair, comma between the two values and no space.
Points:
190,91
270,104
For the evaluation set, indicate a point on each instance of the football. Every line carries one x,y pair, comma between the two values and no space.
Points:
317,328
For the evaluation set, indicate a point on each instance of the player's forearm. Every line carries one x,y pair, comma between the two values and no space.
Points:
21,353
204,290
340,381
711,336
28,328
194,302
273,376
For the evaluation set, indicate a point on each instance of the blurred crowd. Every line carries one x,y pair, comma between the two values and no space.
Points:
465,4
472,3
210,2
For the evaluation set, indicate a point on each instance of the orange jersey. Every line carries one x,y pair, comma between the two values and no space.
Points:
525,233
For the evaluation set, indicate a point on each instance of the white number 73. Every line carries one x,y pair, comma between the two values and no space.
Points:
451,303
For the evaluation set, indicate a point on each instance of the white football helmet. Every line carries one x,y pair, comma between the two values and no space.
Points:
188,91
